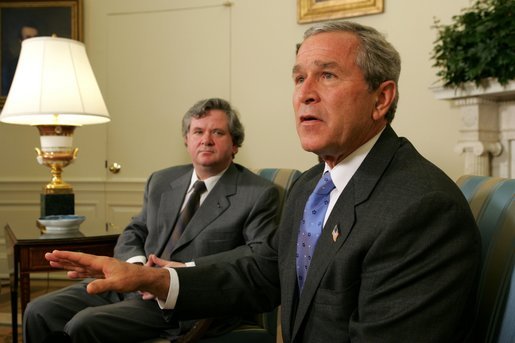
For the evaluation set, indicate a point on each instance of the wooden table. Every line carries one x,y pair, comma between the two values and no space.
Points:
26,254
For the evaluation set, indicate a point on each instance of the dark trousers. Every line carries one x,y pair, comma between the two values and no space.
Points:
107,317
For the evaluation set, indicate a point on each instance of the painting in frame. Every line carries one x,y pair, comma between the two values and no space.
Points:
309,11
20,20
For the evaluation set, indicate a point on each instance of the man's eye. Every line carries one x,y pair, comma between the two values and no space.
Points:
218,133
299,79
328,76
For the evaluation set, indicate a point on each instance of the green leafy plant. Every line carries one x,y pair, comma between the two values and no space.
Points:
478,45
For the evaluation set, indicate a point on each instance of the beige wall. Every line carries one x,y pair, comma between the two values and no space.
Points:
264,34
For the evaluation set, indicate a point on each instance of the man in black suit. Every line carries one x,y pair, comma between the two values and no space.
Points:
398,251
236,214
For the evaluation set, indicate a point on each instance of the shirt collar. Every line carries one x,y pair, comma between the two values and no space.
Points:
210,182
343,171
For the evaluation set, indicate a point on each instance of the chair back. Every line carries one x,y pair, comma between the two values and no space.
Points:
283,178
492,202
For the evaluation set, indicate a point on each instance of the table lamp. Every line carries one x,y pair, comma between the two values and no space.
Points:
54,89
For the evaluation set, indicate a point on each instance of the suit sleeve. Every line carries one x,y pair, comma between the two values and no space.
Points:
249,284
132,240
259,225
421,268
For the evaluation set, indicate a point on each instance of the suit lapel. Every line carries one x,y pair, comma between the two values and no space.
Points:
217,202
289,285
169,207
356,192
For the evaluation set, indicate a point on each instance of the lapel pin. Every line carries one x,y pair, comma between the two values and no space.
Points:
336,233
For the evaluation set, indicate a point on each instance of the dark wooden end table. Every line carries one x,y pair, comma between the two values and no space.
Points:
26,254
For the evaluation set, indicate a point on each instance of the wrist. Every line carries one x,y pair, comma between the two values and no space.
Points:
156,281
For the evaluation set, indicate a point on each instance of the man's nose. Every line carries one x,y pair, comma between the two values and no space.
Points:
207,139
307,92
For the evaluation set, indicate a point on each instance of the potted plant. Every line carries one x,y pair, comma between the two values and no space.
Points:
478,46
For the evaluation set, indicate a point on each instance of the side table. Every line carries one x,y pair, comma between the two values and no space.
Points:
26,254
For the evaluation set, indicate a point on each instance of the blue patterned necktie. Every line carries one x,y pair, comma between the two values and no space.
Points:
311,225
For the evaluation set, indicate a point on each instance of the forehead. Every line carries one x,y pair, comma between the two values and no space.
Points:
328,47
213,119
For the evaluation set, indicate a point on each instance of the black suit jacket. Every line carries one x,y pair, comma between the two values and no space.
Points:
403,268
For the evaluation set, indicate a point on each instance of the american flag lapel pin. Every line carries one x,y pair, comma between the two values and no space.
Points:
336,232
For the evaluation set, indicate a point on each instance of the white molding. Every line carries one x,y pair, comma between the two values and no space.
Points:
494,91
487,125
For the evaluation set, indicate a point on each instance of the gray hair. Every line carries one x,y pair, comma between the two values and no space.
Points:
377,58
201,109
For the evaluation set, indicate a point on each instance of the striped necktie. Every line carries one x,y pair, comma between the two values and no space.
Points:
185,216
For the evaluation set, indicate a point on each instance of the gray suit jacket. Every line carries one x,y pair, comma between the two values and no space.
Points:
238,214
402,269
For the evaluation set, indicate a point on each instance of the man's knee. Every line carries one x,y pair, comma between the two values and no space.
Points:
36,308
83,323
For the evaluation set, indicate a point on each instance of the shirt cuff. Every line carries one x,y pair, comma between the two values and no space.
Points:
137,259
173,292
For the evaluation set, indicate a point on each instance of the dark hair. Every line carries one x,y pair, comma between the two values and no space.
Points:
202,107
377,58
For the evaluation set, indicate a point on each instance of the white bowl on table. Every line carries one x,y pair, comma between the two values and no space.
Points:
59,224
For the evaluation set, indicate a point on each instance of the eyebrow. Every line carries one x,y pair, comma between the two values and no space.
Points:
320,64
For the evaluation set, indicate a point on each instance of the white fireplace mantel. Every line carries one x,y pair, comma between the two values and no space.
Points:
487,133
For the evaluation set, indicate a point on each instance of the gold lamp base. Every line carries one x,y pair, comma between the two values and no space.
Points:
56,161
56,152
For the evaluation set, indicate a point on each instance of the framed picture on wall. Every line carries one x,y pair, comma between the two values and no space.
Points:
309,11
21,20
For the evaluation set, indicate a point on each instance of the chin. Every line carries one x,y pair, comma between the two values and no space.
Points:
311,147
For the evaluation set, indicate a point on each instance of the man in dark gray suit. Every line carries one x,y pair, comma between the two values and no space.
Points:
236,214
398,251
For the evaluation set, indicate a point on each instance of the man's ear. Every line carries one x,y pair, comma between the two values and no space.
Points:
385,96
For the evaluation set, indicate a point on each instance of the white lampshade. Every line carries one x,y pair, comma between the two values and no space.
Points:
54,85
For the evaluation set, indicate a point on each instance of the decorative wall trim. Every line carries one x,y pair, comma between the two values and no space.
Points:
487,126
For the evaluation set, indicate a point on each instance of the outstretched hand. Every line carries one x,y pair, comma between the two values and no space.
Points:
111,274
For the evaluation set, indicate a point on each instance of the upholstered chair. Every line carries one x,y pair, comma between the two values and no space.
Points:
492,202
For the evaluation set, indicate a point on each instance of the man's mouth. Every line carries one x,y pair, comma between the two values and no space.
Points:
308,118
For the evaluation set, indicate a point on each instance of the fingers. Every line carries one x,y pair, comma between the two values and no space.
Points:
158,261
79,265
147,296
99,286
150,262
165,263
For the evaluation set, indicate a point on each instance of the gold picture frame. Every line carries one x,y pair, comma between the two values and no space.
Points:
309,11
44,18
